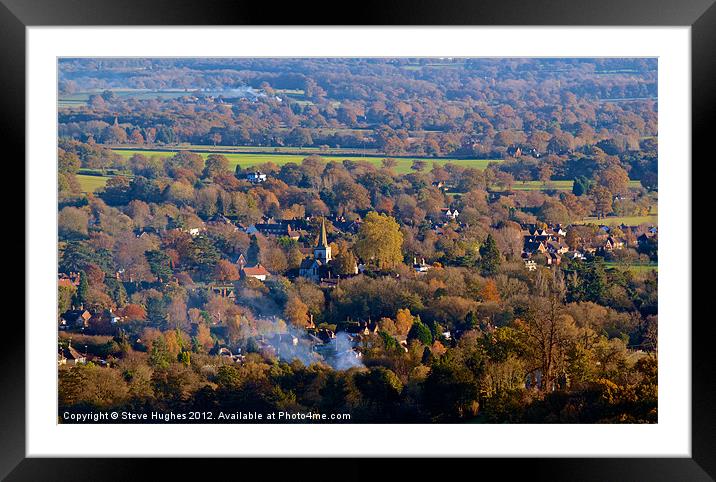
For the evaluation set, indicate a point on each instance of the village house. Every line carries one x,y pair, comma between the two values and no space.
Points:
224,290
240,261
361,329
113,317
329,283
559,231
450,214
70,356
533,246
226,353
530,265
345,226
68,280
557,247
256,177
421,267
75,319
612,244
258,272
576,255
275,230
542,235
221,220
325,335
145,232
193,229
553,259
103,322
514,151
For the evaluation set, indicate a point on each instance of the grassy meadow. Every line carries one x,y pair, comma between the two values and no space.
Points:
554,185
636,269
247,160
652,219
90,183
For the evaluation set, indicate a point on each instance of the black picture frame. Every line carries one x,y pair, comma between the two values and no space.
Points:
700,15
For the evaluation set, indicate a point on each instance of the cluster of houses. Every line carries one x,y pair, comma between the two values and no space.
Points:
516,150
80,319
549,245
315,265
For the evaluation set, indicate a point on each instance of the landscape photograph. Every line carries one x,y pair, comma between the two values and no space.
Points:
357,240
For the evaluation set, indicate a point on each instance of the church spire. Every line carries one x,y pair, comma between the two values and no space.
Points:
322,239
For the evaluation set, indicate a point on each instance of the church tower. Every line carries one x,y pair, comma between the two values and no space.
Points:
322,251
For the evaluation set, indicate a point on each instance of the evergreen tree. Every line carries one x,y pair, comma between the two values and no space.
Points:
581,185
471,321
490,256
254,252
159,264
82,289
159,356
156,311
594,280
232,208
419,331
220,205
389,342
204,254
116,290
75,257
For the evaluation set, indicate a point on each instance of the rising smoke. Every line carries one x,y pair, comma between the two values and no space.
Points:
294,344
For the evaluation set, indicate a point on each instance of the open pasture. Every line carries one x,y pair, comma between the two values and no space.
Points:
248,160
90,183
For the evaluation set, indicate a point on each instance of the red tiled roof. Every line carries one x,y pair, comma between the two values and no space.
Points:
257,270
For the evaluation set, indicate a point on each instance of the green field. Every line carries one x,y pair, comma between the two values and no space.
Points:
333,151
560,185
247,160
652,219
81,98
639,269
91,183
553,185
541,186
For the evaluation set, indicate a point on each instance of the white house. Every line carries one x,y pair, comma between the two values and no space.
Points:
451,214
258,272
421,267
256,177
113,318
